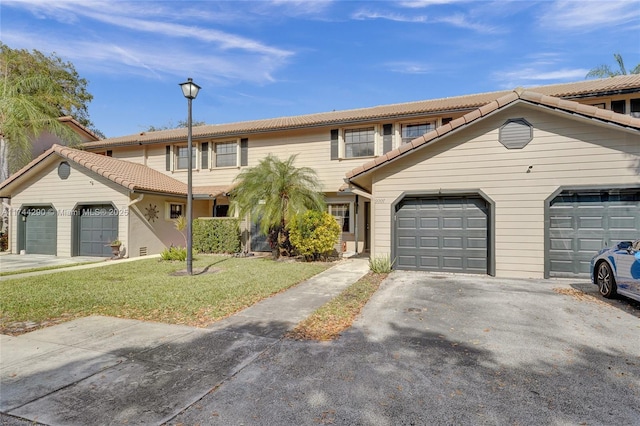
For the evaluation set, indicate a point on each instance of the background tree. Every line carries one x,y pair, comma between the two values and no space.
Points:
603,71
169,126
35,91
273,193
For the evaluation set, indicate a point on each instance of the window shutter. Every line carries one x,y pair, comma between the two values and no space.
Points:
244,151
204,155
168,158
387,138
334,144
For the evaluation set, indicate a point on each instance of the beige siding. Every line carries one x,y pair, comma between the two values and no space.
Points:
66,195
154,235
563,152
312,147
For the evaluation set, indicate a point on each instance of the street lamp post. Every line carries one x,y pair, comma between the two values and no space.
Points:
190,91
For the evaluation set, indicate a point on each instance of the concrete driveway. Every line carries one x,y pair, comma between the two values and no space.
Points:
16,262
427,349
447,349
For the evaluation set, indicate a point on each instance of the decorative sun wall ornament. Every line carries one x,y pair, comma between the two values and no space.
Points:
152,213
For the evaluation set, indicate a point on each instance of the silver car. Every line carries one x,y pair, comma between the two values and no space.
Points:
616,270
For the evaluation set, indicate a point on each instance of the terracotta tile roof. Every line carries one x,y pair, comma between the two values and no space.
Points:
133,176
211,190
72,122
435,106
527,96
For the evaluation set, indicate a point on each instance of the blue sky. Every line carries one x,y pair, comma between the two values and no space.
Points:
266,59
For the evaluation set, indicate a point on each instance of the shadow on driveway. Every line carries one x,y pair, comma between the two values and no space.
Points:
426,350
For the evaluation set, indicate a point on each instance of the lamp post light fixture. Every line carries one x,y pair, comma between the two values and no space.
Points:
190,91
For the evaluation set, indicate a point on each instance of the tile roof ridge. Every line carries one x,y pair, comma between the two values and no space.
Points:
518,93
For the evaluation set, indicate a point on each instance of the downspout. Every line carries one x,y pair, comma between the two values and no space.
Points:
356,224
137,200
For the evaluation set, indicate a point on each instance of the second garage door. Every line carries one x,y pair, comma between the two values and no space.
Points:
97,226
580,224
442,234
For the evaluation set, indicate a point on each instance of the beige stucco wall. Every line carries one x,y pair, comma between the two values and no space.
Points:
154,235
81,187
564,152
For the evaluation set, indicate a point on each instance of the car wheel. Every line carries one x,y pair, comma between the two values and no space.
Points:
605,280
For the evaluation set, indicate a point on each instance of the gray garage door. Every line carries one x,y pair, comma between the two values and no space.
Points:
38,230
580,224
98,226
442,234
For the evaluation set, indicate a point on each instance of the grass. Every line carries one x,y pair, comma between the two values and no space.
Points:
146,290
328,321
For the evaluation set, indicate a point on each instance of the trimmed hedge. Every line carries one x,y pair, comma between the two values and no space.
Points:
216,235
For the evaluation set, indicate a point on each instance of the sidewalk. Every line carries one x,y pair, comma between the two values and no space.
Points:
102,370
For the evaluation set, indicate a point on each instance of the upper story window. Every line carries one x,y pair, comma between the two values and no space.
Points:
618,106
412,131
635,107
182,157
226,154
359,142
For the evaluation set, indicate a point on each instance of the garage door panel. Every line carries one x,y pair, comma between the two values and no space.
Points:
431,223
429,242
452,233
428,262
407,242
449,242
406,261
476,243
407,223
452,262
587,222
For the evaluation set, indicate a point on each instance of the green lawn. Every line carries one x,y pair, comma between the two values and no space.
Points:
146,290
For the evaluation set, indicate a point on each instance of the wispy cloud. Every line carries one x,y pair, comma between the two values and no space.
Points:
407,67
532,75
390,16
574,15
460,21
426,3
176,47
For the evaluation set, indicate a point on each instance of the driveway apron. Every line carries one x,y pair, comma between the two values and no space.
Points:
438,349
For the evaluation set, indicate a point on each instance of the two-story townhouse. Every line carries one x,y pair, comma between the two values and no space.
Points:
494,183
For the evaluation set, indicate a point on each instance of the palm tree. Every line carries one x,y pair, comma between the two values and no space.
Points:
24,116
603,71
273,193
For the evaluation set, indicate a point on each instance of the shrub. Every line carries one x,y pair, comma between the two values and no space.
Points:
381,264
174,253
4,241
216,235
314,234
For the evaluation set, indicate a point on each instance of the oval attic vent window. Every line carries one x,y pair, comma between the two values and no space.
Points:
64,170
516,133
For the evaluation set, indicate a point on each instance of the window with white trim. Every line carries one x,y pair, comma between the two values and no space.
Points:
359,142
226,154
341,211
414,130
174,210
182,157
